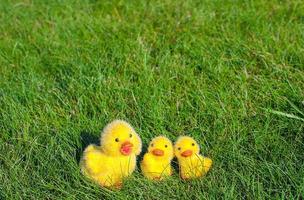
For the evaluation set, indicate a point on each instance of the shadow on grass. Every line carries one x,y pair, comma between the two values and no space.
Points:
86,138
1,195
175,165
141,156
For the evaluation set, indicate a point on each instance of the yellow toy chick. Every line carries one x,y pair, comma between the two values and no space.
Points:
156,163
115,158
191,163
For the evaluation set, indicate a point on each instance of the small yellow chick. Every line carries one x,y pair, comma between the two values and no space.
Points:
115,158
191,163
156,163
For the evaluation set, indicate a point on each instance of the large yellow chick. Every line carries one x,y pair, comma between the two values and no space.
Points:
191,163
115,158
156,163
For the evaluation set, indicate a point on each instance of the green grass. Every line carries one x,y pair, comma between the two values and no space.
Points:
229,73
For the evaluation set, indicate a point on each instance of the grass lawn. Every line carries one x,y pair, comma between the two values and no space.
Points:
230,73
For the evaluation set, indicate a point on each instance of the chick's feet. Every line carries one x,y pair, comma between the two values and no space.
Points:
117,186
158,178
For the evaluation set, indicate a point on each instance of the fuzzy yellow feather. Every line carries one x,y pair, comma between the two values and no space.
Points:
191,163
115,158
156,163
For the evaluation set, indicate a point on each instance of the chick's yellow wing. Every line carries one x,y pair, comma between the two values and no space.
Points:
147,165
93,160
203,165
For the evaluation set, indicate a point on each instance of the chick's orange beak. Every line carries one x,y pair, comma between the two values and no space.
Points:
158,152
186,153
126,148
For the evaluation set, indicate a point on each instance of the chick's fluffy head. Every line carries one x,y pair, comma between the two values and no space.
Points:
186,144
116,134
162,144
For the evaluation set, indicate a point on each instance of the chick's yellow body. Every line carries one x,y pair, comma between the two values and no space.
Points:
115,158
107,170
191,163
154,168
156,163
194,166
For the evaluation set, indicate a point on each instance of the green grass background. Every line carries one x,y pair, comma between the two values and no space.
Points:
230,73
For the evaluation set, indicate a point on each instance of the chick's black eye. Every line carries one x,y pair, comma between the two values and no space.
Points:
166,146
130,135
193,144
151,145
179,148
116,140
